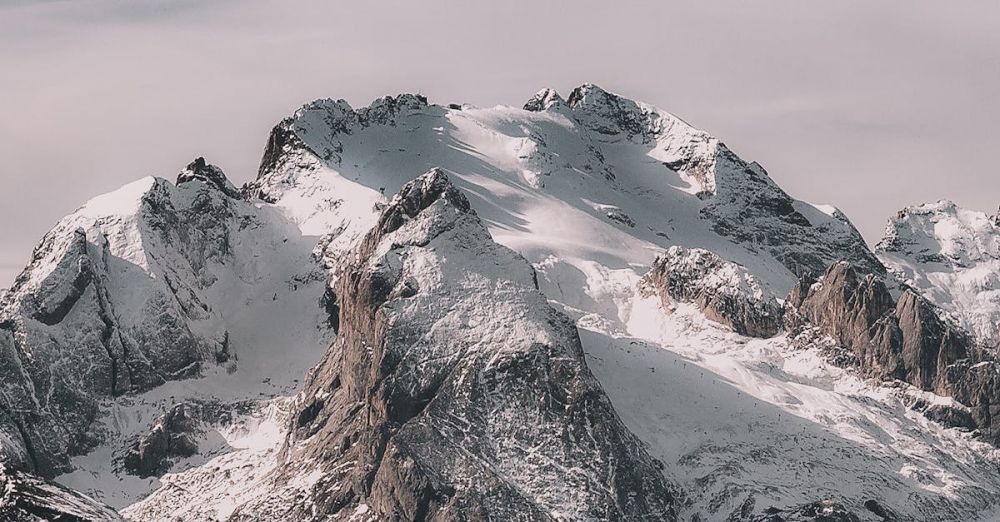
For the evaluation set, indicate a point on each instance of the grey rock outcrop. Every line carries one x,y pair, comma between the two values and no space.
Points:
543,100
904,339
819,511
725,292
454,391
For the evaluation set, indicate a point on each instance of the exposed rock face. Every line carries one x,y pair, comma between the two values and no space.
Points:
454,391
543,100
819,511
725,292
172,435
25,498
904,339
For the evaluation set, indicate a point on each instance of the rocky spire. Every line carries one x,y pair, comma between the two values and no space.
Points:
201,171
543,100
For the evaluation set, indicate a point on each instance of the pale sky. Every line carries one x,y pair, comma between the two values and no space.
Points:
869,106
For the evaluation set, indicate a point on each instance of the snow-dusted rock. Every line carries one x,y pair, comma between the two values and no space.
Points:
952,256
543,100
329,165
172,435
904,339
725,292
454,390
26,498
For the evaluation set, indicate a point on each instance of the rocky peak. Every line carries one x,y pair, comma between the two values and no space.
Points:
610,114
905,339
543,100
942,232
725,292
416,196
444,340
199,170
385,110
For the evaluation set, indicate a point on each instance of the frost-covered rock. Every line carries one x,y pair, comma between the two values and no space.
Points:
201,171
819,511
454,390
543,100
725,292
952,256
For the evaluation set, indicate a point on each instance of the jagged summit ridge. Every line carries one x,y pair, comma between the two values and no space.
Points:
133,290
591,153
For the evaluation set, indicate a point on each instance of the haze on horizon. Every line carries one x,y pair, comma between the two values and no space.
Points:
869,107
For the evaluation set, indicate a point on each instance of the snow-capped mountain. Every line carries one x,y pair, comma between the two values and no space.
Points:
143,289
573,310
952,255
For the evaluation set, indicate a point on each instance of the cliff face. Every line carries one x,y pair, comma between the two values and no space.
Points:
455,391
905,339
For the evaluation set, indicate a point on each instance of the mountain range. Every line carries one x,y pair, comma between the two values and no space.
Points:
579,309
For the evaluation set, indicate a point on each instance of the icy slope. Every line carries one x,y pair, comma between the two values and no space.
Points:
952,256
744,425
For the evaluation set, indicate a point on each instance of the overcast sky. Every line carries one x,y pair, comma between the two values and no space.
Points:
870,106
